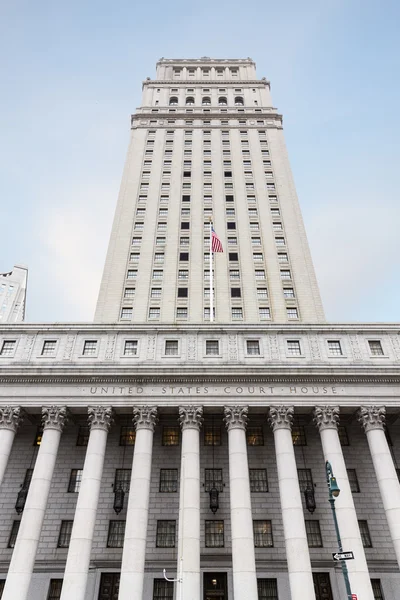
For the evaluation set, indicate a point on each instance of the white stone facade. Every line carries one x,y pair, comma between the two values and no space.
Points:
13,295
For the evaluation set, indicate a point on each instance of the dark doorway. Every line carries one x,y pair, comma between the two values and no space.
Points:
215,586
109,586
322,586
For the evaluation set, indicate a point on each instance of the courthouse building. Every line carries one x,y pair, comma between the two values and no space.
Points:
175,449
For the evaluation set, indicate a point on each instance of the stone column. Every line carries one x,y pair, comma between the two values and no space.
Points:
243,555
134,551
294,529
80,546
326,419
23,558
191,419
372,419
10,420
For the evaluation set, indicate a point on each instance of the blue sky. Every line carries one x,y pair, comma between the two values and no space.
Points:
71,76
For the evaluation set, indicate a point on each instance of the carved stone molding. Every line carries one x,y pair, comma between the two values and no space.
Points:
145,417
235,417
100,417
281,417
372,417
191,417
326,417
11,417
54,417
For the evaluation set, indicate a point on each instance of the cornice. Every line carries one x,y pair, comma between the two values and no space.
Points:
209,115
202,82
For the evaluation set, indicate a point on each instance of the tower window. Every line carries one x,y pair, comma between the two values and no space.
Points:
233,256
236,293
184,256
182,292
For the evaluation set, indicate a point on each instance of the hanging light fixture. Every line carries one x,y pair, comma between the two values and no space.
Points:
309,495
214,493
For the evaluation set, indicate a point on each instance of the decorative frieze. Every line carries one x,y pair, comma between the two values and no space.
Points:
192,347
372,417
232,347
151,347
326,417
11,417
145,417
191,417
54,417
100,417
110,348
69,347
281,417
236,417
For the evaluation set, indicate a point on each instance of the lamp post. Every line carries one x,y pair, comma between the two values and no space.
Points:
334,492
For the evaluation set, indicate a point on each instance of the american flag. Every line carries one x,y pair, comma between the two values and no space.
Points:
216,245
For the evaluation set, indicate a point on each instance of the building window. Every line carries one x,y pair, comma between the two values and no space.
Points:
212,435
213,479
299,435
285,274
262,293
127,435
282,257
353,481
375,347
255,436
343,437
13,535
89,348
258,480
313,531
305,479
65,534
181,313
234,274
293,348
168,480
214,534
263,534
7,348
49,348
75,479
280,241
292,313
131,348
170,436
116,534
83,435
154,313
184,256
264,313
55,589
182,292
212,347
267,589
131,274
171,347
365,535
334,348
122,479
163,590
288,293
183,274
259,274
236,292
165,534
377,589
237,313
253,347
126,313
157,274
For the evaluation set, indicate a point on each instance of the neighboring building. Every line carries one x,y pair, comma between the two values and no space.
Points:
154,439
13,295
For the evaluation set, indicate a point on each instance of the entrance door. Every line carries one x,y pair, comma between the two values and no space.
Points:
215,586
109,586
322,586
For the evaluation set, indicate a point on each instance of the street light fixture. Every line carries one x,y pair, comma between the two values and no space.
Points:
334,492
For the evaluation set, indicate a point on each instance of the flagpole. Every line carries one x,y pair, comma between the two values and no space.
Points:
211,277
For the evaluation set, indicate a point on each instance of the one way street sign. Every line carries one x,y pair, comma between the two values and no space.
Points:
343,556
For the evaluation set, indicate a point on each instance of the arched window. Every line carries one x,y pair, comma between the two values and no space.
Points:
222,101
190,101
206,101
239,101
173,101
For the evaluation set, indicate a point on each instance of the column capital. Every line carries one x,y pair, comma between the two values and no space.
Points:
281,417
145,417
372,417
100,417
326,417
235,417
191,417
11,417
54,417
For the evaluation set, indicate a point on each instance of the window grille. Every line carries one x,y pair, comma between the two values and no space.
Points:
65,534
7,348
116,534
168,480
313,531
255,436
375,348
122,479
163,590
171,347
13,535
263,534
334,348
343,437
267,589
258,480
214,534
83,435
293,348
377,589
130,348
213,478
75,480
127,436
90,347
305,479
212,347
212,435
264,313
170,436
49,347
353,481
55,589
365,535
299,435
253,347
166,534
